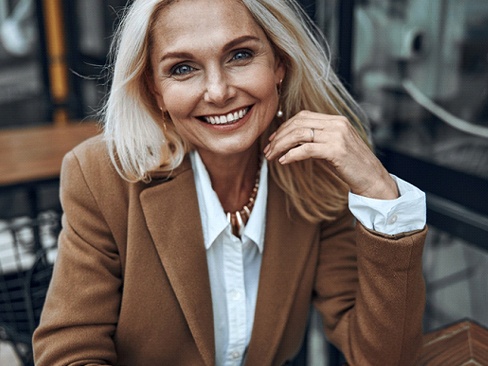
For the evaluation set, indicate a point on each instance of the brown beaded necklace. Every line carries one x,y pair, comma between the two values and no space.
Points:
239,219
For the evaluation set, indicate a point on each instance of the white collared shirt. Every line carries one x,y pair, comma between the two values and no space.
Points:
234,264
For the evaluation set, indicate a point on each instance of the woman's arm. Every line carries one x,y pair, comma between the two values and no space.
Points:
369,286
82,304
371,294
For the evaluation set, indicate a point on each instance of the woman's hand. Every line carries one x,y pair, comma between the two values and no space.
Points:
332,138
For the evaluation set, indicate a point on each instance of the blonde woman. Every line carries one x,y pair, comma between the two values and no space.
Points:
216,207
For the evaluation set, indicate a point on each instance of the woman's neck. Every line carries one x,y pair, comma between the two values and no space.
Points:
233,177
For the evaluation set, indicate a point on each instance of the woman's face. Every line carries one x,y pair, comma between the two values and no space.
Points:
215,73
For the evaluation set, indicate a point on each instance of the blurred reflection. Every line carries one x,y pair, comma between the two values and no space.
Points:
17,29
21,87
421,69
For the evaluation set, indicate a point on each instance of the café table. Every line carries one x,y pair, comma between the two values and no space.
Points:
30,155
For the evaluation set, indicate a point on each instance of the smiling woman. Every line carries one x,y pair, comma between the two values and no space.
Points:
217,201
212,66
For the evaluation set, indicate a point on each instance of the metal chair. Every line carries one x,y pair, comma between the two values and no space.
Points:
27,250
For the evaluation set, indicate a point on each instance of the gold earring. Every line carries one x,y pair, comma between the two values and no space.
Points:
164,119
279,113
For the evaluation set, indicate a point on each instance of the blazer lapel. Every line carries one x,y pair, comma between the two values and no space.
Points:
286,248
173,219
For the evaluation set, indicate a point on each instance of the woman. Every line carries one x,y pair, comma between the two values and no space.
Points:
178,247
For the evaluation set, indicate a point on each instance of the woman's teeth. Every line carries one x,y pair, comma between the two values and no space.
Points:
225,119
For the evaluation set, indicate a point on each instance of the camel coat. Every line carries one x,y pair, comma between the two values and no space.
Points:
130,284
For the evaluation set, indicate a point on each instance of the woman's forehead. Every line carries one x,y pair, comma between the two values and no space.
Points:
192,14
203,22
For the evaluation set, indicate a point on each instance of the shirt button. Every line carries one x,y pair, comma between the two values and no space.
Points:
235,355
236,296
392,219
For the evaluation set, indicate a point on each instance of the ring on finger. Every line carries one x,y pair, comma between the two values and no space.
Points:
312,134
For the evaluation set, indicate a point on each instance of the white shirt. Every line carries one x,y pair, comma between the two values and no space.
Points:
404,214
234,264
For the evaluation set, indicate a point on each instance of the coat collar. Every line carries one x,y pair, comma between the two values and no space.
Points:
170,208
172,216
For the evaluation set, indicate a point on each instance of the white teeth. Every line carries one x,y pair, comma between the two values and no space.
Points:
229,118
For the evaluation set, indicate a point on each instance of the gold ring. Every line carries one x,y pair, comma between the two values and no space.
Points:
312,134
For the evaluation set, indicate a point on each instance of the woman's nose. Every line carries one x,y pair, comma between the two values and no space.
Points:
218,90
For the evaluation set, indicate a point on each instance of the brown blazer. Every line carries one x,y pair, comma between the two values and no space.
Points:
130,284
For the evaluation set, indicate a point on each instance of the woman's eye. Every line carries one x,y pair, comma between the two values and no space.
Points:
181,70
242,55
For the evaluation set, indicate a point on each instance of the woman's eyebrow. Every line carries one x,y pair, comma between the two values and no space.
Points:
185,55
235,42
228,46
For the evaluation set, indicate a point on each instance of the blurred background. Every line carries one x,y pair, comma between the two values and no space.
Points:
419,69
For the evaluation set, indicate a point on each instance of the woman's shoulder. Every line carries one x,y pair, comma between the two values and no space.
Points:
92,158
92,148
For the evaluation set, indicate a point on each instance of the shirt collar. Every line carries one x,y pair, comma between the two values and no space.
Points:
214,221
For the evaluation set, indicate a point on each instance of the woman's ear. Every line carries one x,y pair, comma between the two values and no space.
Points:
280,70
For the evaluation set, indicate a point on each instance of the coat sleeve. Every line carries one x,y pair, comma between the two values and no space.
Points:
370,291
80,313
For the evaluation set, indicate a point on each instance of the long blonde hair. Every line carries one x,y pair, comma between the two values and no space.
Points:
137,143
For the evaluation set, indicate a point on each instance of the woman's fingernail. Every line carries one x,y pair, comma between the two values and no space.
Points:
266,149
282,159
272,136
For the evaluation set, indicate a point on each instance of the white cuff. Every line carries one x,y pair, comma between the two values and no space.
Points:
406,213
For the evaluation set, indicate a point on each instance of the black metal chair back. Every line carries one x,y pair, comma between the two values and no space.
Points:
27,250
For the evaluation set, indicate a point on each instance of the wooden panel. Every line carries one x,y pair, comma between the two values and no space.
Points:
32,154
464,343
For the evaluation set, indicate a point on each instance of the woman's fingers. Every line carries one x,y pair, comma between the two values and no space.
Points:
288,140
311,135
301,152
303,129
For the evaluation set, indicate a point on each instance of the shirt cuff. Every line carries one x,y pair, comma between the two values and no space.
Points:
391,217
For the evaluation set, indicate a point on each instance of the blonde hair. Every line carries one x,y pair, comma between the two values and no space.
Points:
137,143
